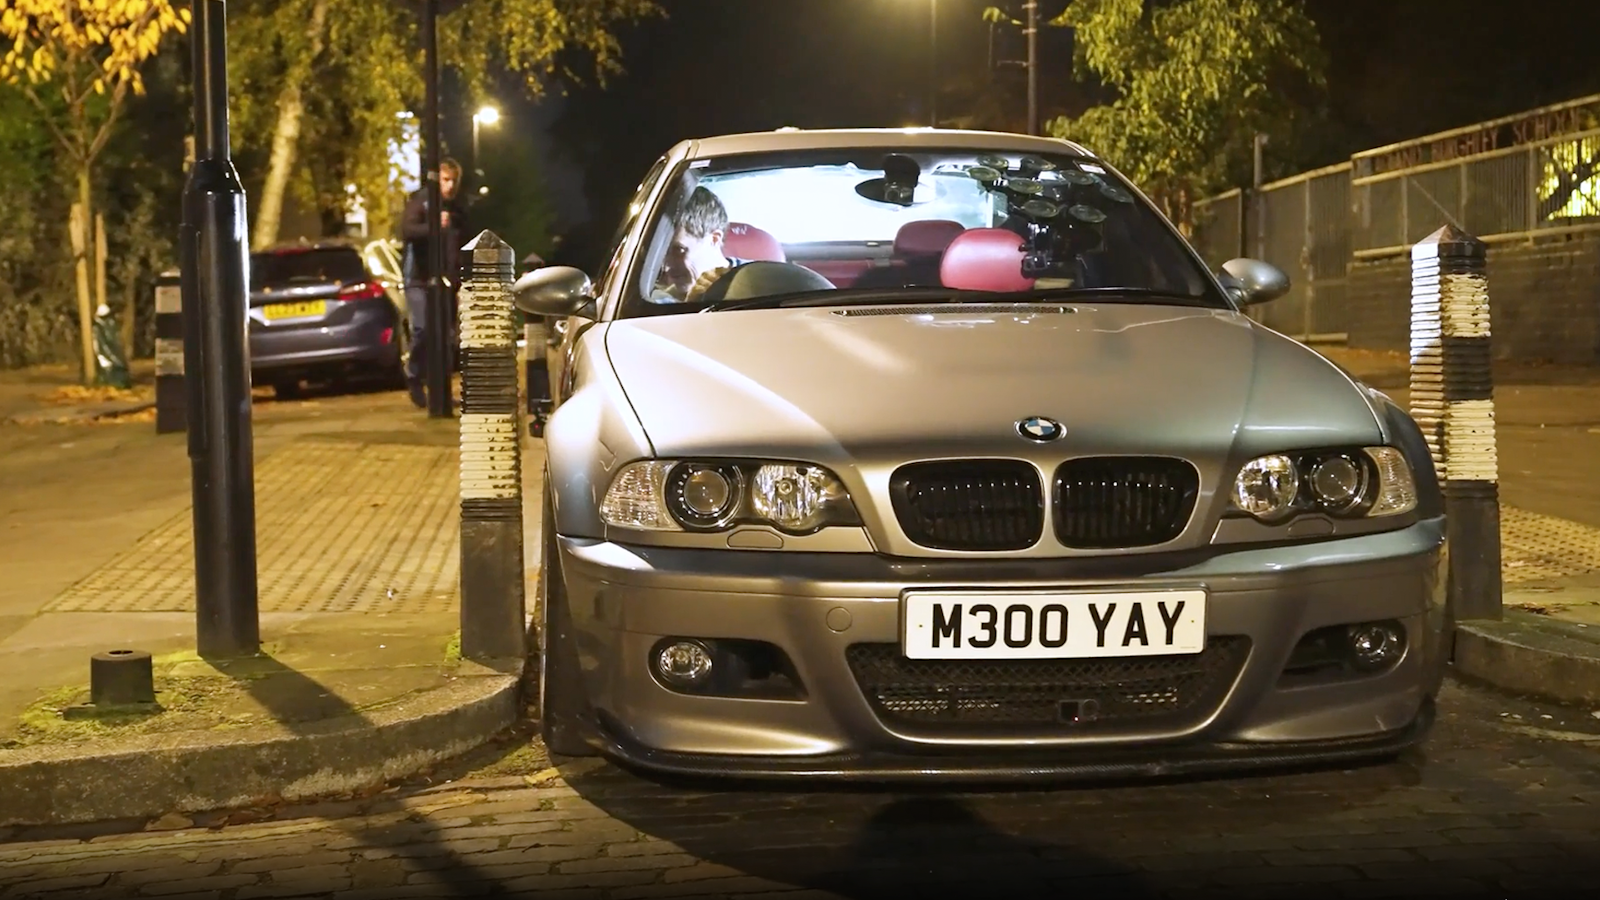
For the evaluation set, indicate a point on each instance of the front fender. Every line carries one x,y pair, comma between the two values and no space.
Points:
592,432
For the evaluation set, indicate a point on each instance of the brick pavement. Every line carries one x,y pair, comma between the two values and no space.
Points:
1503,802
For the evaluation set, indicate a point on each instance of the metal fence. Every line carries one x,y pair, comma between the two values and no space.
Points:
1509,194
1520,178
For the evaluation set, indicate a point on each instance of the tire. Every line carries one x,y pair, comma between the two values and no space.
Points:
562,709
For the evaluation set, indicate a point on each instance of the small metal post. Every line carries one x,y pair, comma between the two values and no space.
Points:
170,409
1452,398
492,591
217,361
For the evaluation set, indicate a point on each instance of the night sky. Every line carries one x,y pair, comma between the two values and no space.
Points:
1398,69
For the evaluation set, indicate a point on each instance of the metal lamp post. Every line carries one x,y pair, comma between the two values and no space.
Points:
933,63
1032,29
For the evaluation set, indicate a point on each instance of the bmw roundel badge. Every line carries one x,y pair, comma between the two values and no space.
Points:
1041,429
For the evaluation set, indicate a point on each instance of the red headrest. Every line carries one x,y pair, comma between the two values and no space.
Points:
926,237
985,259
749,242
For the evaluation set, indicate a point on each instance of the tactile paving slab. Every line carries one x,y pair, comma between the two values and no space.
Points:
1541,548
340,527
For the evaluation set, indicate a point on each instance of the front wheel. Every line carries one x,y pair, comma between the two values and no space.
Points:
562,710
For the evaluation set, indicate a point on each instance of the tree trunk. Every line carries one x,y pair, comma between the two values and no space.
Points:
286,134
82,216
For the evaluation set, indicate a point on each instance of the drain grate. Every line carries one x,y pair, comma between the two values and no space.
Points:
340,527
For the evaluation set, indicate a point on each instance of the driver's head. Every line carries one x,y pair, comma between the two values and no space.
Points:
699,225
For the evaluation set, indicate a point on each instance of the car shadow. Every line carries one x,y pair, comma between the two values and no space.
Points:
858,844
1125,838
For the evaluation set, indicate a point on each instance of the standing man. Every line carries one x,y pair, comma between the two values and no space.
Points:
452,231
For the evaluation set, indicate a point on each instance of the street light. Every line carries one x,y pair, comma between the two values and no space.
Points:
486,115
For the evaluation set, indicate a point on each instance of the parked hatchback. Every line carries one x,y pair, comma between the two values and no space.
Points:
327,312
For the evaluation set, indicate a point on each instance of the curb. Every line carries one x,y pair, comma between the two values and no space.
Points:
192,772
70,414
1534,655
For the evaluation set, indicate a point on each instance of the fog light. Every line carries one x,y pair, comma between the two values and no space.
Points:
1376,645
684,664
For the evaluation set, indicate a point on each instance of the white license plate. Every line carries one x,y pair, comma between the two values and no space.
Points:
1034,625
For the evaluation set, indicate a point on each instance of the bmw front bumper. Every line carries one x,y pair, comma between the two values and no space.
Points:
624,600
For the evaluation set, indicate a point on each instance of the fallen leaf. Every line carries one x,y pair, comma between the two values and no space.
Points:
170,822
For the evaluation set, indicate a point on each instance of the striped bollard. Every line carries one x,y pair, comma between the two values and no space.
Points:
172,398
492,594
1452,398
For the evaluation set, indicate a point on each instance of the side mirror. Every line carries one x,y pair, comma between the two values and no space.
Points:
556,291
1252,281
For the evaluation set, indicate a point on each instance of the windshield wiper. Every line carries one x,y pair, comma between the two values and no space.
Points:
1100,294
851,296
836,297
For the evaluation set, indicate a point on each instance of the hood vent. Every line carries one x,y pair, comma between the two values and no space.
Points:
959,309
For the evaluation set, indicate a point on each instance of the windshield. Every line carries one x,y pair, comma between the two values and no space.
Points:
865,222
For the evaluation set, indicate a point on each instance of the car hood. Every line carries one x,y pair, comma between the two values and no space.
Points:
841,385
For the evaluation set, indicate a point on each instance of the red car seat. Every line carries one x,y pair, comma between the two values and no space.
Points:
985,259
749,242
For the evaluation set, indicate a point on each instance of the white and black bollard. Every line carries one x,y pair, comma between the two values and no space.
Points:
172,397
1452,398
492,590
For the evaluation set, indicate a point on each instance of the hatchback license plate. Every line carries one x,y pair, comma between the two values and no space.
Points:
273,312
997,625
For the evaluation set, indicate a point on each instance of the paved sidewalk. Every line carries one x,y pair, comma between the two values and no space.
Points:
358,546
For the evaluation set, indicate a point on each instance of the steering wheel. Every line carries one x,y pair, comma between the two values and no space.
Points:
762,279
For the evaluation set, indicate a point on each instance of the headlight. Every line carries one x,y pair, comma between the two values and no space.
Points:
708,495
1266,487
1369,482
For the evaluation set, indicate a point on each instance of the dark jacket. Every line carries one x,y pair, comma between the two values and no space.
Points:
414,230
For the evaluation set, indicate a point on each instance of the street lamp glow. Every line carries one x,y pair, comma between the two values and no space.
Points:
488,115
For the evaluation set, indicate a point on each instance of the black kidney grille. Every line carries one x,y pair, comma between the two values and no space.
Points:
1123,501
980,504
1083,694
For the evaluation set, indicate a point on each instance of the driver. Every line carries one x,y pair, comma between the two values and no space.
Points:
695,257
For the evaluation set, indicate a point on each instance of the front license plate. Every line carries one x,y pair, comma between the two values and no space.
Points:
276,311
990,625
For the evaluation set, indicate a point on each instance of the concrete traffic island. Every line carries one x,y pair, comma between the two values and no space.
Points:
335,707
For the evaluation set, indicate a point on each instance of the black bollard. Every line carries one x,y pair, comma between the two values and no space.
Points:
216,360
1452,398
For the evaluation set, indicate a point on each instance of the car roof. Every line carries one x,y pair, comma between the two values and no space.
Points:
909,138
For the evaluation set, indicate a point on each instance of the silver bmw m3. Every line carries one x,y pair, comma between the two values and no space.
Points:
941,455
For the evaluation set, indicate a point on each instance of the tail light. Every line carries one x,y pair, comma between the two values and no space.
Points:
364,290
